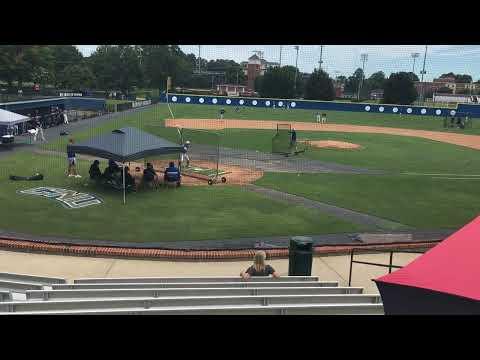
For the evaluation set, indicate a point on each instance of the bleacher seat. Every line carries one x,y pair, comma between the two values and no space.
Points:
21,282
195,295
162,292
5,296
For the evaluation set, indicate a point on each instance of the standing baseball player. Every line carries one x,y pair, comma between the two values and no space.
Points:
324,118
65,117
184,156
293,139
317,116
222,112
39,127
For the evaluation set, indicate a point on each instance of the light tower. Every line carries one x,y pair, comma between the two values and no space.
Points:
423,72
296,47
364,58
414,57
321,56
280,60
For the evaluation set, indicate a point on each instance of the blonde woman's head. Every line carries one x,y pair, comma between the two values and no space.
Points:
259,260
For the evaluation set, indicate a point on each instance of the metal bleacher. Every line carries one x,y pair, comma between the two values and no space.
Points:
289,295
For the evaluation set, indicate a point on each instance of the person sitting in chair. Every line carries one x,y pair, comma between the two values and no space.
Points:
150,177
95,172
172,174
129,180
111,170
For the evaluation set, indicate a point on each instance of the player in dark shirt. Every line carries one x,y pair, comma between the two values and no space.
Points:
72,161
259,268
149,175
111,170
95,173
172,174
129,180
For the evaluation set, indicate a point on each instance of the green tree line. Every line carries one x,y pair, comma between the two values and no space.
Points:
124,67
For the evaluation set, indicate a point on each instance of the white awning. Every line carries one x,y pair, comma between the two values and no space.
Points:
11,118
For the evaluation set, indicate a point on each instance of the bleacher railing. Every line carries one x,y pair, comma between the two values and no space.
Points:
390,264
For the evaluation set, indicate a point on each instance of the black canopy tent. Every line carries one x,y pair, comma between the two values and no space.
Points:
124,145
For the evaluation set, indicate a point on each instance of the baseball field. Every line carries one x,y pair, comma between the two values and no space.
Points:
406,172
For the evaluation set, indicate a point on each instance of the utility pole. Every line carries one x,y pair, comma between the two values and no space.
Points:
364,58
296,70
414,56
423,72
321,55
198,65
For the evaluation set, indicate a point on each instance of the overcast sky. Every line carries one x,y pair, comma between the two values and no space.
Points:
344,59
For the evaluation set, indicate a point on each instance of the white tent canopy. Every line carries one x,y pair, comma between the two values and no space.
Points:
11,118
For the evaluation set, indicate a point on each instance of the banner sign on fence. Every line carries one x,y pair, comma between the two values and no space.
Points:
65,94
68,198
141,103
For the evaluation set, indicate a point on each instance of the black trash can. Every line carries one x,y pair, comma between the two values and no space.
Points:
300,256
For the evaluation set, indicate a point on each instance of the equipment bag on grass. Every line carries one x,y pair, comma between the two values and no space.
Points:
35,177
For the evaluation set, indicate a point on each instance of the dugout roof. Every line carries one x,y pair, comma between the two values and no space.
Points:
443,280
126,144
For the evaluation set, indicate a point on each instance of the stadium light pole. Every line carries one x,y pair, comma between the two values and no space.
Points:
414,57
423,72
364,58
321,56
296,69
280,60
199,46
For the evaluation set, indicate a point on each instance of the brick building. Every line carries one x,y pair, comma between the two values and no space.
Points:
231,90
254,67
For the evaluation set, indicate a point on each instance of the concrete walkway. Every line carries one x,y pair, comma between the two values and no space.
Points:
330,268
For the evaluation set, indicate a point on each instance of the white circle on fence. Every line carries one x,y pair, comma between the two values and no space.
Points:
267,103
438,112
174,98
201,100
254,102
395,109
280,103
188,99
453,112
229,101
367,108
409,110
381,109
293,104
214,101
241,102
423,111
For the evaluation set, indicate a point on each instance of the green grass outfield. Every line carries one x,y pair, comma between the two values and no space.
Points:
188,213
419,201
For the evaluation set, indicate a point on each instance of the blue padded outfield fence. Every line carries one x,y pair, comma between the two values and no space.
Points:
472,110
67,103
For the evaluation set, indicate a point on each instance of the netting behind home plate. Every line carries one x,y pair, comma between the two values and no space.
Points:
203,153
281,142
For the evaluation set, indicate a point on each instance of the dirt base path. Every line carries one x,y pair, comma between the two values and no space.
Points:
470,141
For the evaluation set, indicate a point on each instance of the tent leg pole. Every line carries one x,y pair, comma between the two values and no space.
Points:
123,171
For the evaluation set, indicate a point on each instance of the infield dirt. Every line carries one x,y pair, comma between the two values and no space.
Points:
470,141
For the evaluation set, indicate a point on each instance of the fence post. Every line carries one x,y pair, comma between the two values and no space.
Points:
390,263
351,264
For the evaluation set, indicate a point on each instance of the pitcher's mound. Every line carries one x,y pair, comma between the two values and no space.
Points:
332,144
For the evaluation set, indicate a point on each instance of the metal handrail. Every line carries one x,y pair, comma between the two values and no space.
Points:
390,265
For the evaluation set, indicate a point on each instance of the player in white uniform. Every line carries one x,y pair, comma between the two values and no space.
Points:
184,156
317,115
